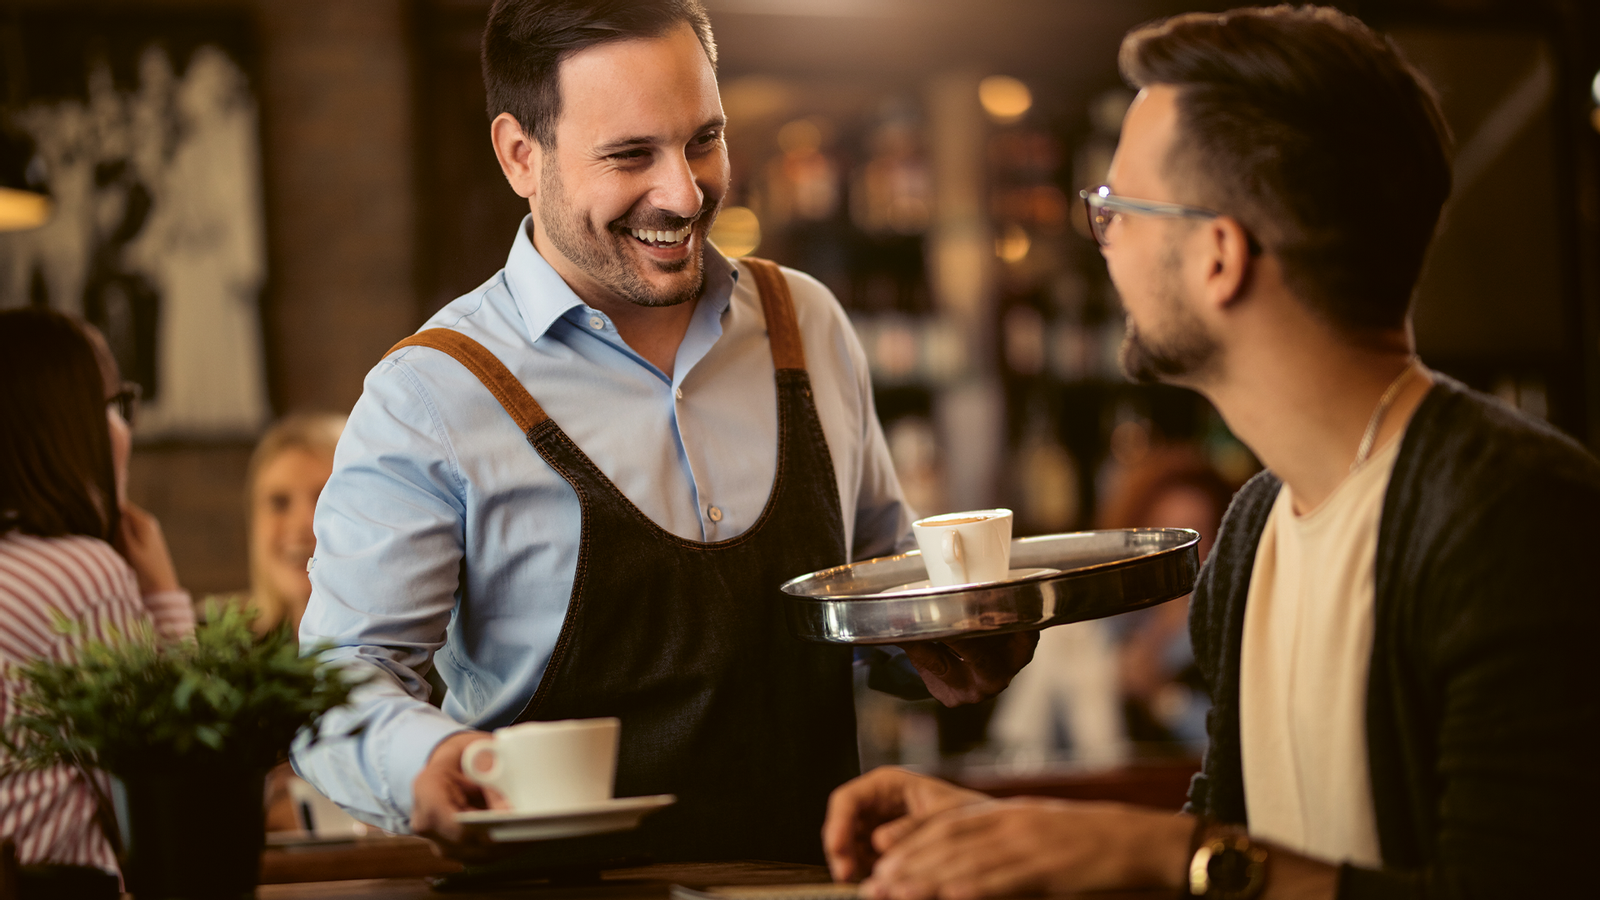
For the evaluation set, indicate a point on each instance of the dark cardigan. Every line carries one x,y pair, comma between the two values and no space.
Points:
1483,703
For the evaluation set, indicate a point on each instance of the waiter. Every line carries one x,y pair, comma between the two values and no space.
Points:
576,490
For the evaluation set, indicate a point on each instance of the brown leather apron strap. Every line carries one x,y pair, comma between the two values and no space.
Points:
783,331
505,387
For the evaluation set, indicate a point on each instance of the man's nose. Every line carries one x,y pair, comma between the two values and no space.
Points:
676,191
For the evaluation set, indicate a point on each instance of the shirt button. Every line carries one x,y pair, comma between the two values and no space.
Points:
597,323
678,392
714,513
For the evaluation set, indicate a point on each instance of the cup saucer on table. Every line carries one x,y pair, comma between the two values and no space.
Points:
510,825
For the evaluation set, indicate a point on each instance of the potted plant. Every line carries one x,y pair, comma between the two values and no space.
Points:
190,728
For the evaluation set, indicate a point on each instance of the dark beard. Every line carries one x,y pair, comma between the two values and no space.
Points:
600,257
1186,351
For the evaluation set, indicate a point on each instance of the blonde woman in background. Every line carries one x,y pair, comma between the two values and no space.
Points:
290,465
287,471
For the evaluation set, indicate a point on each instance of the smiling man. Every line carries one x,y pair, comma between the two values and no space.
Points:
576,491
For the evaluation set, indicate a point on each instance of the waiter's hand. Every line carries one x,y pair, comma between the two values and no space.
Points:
971,669
441,790
867,815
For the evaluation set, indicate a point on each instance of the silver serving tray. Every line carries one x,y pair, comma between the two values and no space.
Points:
1098,573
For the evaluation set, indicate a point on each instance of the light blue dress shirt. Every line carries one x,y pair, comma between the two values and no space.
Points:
443,535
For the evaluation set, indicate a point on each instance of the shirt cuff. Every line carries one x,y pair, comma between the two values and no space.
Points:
407,757
173,612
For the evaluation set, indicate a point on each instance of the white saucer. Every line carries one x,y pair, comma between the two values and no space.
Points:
620,814
1012,575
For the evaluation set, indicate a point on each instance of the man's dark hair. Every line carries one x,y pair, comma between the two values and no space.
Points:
1318,136
56,473
526,41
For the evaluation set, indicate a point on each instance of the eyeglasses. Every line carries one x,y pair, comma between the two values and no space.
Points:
1103,207
126,400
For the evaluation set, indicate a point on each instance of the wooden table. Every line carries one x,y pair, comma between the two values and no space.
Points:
644,883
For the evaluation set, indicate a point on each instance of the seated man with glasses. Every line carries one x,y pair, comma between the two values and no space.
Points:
1396,618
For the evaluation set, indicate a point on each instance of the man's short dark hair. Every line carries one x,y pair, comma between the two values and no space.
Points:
525,42
1318,136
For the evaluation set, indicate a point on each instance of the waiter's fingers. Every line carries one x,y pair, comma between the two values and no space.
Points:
971,669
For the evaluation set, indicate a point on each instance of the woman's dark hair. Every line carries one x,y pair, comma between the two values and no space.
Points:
1318,136
526,40
56,475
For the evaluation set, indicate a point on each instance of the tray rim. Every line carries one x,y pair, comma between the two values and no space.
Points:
793,585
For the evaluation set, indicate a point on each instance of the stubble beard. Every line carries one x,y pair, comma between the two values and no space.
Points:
601,254
1185,351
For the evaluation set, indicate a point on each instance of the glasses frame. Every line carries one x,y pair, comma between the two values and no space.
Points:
126,400
1100,199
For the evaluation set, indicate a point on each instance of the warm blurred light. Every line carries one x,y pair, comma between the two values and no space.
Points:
1004,98
1594,118
22,209
756,98
1013,244
736,232
800,136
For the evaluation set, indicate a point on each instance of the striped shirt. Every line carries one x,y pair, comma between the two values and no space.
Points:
50,814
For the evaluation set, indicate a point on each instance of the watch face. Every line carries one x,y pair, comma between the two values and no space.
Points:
1229,870
1235,870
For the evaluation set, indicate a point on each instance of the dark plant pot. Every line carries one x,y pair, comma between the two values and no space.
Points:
195,830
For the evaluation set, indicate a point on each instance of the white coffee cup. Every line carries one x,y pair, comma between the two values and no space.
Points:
548,766
965,547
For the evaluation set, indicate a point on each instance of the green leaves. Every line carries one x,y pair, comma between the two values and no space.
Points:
133,702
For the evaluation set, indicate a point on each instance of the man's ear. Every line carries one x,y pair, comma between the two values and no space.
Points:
519,153
1228,260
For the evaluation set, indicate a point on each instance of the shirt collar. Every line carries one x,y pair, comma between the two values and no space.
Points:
543,298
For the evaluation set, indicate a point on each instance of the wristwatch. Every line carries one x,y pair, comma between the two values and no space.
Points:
1230,867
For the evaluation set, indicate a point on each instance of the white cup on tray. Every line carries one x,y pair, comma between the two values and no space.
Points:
965,547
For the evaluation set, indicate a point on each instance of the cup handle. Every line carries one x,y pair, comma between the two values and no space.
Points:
954,556
469,762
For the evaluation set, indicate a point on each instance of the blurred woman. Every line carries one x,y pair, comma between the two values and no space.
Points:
287,471
1174,486
71,547
290,465
1101,690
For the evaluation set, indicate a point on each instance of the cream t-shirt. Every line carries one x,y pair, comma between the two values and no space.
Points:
1303,671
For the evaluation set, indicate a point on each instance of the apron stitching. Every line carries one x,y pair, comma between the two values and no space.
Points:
569,623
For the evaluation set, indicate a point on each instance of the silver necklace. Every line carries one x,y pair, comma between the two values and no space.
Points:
1364,449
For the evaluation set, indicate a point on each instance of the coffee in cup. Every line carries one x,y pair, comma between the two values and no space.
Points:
965,547
548,766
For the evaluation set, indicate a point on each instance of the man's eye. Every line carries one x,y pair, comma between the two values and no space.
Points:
631,154
709,137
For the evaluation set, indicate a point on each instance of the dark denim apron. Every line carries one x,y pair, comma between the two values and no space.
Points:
686,642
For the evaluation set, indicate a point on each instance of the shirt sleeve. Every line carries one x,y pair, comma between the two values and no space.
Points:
173,612
385,580
882,516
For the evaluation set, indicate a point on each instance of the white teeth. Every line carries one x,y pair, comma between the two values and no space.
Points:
661,237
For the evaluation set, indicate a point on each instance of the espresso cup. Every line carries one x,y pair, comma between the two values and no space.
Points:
548,766
965,547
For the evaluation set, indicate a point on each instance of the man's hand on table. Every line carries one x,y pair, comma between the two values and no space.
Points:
972,669
919,838
441,790
875,810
